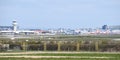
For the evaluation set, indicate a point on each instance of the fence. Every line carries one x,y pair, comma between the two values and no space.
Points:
56,45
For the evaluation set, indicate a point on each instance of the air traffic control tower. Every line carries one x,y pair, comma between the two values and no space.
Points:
14,23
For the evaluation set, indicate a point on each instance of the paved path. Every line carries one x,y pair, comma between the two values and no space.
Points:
52,57
55,52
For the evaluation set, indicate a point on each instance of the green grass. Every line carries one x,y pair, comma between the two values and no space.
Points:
116,56
58,59
105,38
80,54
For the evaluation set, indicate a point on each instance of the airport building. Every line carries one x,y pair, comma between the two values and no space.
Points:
117,27
12,30
6,28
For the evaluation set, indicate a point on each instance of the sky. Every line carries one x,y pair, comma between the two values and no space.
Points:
73,14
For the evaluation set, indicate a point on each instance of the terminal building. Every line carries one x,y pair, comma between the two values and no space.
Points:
117,27
12,30
5,28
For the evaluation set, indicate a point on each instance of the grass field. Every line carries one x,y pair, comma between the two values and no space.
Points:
55,59
60,56
64,55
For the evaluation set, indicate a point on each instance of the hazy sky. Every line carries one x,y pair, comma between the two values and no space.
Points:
60,13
